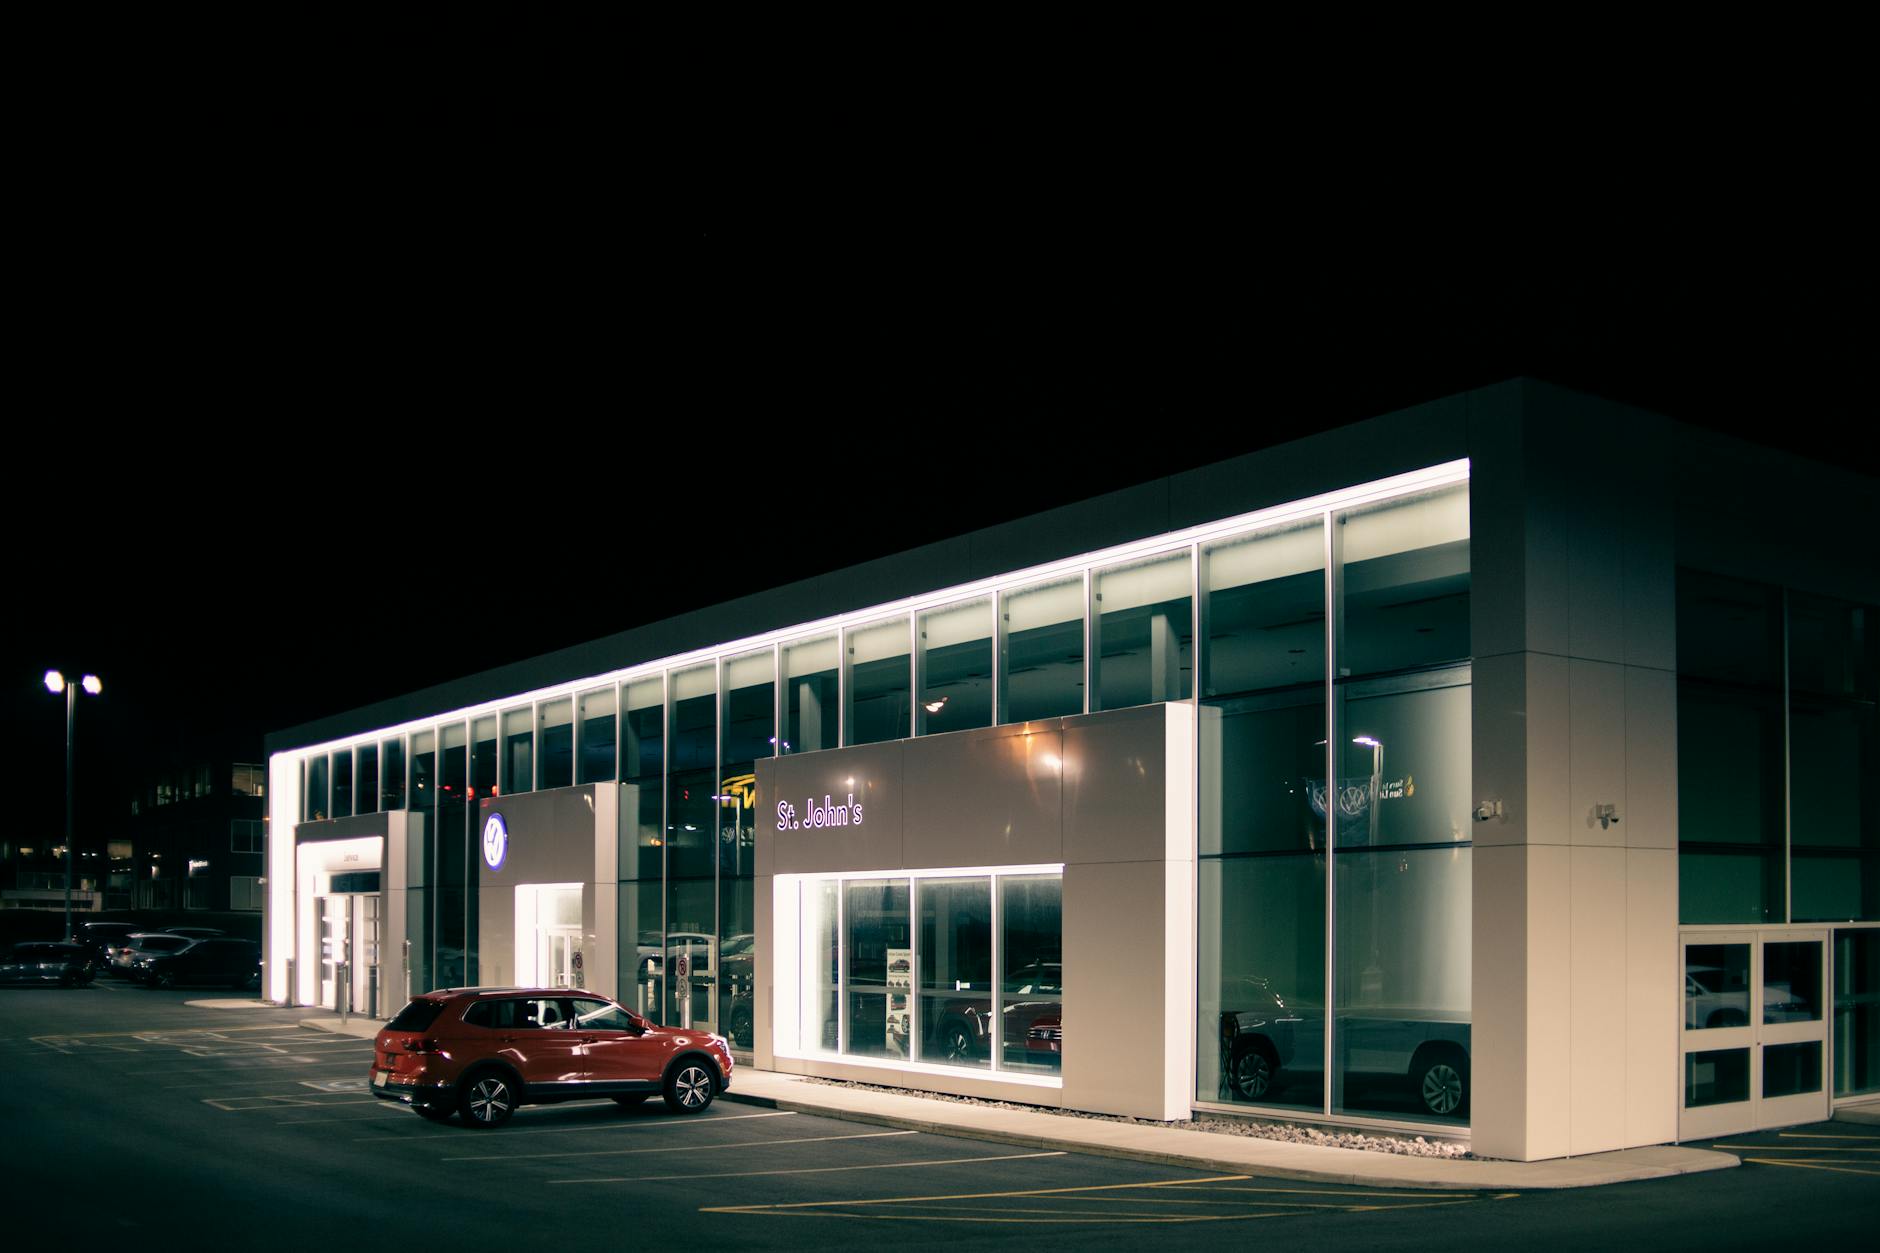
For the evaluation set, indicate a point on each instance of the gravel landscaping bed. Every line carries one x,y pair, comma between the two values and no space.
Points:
1408,1146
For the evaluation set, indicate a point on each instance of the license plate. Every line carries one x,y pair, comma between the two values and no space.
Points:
378,1078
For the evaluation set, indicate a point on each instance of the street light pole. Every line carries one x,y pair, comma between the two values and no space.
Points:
55,683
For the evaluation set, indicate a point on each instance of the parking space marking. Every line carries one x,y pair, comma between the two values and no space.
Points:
257,1083
383,1108
613,1126
278,1100
1816,1164
1795,1148
683,1148
815,1170
1815,1135
1095,1203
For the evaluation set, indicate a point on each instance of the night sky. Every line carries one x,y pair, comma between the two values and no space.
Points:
353,462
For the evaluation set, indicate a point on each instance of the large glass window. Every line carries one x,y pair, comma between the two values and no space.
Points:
956,971
423,770
598,742
555,732
1730,754
955,668
1041,651
342,783
484,765
643,775
1261,1033
1031,972
1399,788
1834,760
319,803
879,684
366,773
456,912
879,967
392,774
519,749
811,708
691,843
822,967
1145,632
1856,1025
749,715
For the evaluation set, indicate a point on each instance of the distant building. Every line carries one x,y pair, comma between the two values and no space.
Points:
196,840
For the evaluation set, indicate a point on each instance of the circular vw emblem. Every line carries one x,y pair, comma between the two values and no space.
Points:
495,842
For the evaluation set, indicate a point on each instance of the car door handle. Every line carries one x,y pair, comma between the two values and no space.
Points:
587,1039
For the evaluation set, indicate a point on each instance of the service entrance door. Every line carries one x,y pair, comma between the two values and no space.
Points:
1754,1038
561,947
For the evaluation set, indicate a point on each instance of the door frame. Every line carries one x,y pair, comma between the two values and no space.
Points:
1757,1112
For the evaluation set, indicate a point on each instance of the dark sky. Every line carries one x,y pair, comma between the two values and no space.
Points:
310,464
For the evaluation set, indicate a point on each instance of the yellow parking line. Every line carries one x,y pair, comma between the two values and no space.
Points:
663,1124
974,1196
1839,1170
1793,1148
814,1170
684,1148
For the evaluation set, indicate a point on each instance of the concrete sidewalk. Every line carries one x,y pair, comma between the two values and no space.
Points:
1175,1145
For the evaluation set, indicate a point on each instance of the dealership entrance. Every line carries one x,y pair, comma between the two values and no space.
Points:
1754,1035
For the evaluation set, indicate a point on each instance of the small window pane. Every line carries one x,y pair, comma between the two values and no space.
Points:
1791,1069
1265,610
1031,977
1792,982
342,783
1716,1078
1716,986
1145,632
879,683
366,772
556,735
1043,651
519,749
810,711
318,802
956,971
392,777
955,668
483,760
880,968
598,741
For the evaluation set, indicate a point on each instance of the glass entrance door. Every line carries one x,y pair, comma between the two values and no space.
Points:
1754,1037
691,974
560,955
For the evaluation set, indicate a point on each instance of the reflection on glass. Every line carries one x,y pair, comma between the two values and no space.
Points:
955,668
879,683
1791,1069
691,781
423,770
556,733
642,778
1856,1030
1401,1026
1145,632
1404,583
1042,651
1716,986
639,940
956,971
691,943
1792,982
810,708
1031,972
1403,762
1834,759
880,967
1262,1026
821,972
518,750
598,741
1265,611
736,961
1716,1078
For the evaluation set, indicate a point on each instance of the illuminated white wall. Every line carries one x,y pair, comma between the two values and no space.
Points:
277,931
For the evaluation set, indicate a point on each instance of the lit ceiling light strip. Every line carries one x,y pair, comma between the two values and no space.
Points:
1445,475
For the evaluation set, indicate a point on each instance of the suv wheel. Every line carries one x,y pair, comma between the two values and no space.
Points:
1443,1085
487,1101
1253,1074
689,1088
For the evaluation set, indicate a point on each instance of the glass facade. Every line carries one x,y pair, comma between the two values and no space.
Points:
1329,656
1778,756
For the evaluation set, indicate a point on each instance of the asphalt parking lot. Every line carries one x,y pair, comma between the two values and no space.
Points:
136,1121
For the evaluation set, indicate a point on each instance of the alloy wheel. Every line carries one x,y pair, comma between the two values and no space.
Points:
1442,1088
693,1086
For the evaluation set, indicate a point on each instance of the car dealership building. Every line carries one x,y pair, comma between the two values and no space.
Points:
1506,766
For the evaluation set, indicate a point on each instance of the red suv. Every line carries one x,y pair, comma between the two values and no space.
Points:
483,1051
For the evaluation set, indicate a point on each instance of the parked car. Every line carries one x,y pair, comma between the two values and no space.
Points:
47,962
962,1031
196,933
217,960
99,938
1275,1038
143,943
480,1053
